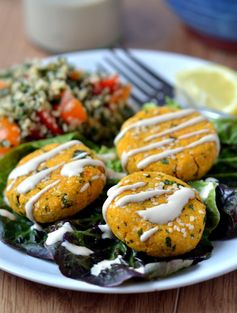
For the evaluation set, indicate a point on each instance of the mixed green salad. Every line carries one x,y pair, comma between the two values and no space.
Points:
218,191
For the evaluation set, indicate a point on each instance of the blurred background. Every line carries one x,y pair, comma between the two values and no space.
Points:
151,24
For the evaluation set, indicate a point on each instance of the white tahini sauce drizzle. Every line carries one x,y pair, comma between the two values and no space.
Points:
116,191
166,212
152,146
154,121
85,187
171,130
195,133
30,182
57,235
111,174
107,233
9,187
5,198
147,234
32,164
140,196
107,156
7,214
36,226
77,250
30,204
156,157
103,265
75,168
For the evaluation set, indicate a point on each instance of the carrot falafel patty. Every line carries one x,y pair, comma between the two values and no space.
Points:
181,143
55,182
155,213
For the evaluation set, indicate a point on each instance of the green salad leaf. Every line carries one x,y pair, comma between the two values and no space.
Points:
227,130
207,191
225,169
19,234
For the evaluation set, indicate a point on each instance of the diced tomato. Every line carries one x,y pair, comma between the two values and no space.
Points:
110,83
3,84
72,110
50,122
75,75
9,132
121,94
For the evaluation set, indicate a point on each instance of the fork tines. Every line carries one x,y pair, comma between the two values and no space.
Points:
148,85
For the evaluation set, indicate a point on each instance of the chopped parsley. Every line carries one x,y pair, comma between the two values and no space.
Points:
66,202
80,154
165,161
191,207
168,242
168,182
140,232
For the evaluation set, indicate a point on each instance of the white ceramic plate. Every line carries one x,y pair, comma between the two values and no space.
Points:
223,258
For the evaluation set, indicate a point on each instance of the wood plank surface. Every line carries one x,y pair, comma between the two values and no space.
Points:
149,25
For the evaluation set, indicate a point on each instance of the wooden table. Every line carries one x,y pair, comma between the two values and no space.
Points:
147,24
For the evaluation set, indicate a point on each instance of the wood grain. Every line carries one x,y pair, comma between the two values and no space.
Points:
149,25
21,296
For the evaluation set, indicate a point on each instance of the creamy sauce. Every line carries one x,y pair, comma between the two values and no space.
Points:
33,164
6,199
152,146
30,204
147,234
75,168
85,187
9,187
103,265
208,138
57,235
195,133
7,214
107,233
171,130
157,157
107,156
77,250
36,226
31,182
154,121
116,191
140,197
111,174
166,212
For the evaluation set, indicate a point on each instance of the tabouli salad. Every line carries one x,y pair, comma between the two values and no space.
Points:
145,208
40,100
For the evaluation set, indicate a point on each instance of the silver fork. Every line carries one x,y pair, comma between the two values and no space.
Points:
148,84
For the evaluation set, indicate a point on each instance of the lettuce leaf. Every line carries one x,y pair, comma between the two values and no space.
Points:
120,263
227,205
225,169
207,191
18,234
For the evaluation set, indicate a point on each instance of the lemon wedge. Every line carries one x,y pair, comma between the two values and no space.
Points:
211,86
